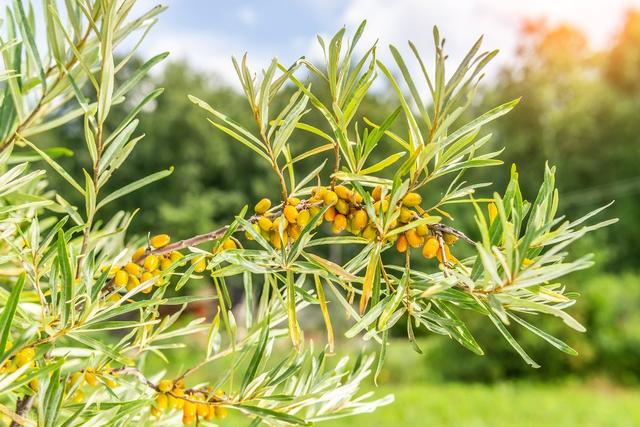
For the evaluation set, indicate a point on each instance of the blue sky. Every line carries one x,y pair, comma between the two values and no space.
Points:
207,32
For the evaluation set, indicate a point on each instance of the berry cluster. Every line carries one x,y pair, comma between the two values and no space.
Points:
91,378
346,211
26,356
196,404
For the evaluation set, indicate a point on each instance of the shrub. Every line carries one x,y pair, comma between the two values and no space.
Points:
70,276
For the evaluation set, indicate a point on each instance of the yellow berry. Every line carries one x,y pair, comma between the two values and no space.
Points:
146,276
78,396
151,262
370,233
25,356
90,377
202,409
133,269
430,248
414,240
402,244
156,412
405,215
189,408
162,401
160,241
381,206
294,231
293,201
303,218
527,262
342,206
221,412
265,223
132,282
165,386
422,230
138,253
330,198
290,213
165,263
412,200
200,263
342,192
229,244
493,211
339,223
450,238
121,278
262,206
447,254
175,256
360,220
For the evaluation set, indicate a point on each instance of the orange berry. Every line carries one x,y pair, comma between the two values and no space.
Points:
342,206
339,223
412,200
165,386
447,254
303,218
414,240
330,214
200,263
342,192
430,248
402,244
376,194
265,223
229,244
133,269
132,282
360,220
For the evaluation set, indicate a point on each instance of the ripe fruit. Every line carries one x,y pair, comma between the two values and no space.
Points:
330,198
450,238
133,269
146,276
90,377
290,213
339,223
430,247
221,412
402,244
381,206
138,253
25,356
229,244
493,211
330,214
132,282
121,278
175,256
162,401
342,192
377,193
265,223
342,206
151,263
200,263
293,201
165,263
160,241
405,215
412,200
188,411
360,220
422,230
294,231
319,192
262,206
414,240
165,385
369,233
303,218
447,254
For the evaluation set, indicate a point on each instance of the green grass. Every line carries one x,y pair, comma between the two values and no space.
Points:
502,405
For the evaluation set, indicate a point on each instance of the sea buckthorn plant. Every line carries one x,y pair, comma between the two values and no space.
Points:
80,299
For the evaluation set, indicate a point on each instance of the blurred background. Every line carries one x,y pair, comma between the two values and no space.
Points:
576,66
